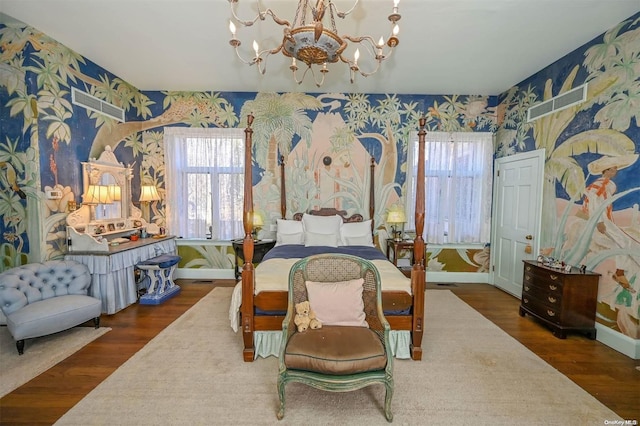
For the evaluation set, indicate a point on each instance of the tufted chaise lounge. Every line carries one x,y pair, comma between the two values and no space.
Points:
39,299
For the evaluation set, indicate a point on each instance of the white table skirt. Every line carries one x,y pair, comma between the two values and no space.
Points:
112,274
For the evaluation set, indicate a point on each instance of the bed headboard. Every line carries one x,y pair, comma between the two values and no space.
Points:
327,211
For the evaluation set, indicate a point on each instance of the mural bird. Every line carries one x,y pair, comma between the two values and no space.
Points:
10,178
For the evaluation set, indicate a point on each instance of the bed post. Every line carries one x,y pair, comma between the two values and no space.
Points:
372,197
418,274
283,191
246,310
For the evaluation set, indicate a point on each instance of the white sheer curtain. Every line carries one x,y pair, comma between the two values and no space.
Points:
204,182
458,185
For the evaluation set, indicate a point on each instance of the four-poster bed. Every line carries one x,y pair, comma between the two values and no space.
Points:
262,307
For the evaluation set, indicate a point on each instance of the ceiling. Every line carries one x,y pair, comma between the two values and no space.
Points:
446,46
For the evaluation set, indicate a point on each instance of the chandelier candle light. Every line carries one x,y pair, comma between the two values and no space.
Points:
314,43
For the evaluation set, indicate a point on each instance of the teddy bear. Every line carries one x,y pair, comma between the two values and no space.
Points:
305,317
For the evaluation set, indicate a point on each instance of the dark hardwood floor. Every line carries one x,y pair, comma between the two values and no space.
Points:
609,376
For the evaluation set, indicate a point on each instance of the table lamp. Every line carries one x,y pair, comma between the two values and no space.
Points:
395,218
257,225
96,194
148,193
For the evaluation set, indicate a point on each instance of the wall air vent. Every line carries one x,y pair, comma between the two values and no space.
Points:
85,100
557,103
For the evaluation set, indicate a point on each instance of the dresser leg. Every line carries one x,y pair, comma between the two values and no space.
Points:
521,311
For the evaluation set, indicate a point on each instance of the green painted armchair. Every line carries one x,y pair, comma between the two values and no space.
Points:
351,349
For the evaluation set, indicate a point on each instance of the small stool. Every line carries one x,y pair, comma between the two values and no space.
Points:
157,276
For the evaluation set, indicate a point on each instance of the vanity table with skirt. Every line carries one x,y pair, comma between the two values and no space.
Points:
98,233
113,272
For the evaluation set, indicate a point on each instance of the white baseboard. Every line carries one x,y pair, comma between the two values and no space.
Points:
203,274
618,341
458,277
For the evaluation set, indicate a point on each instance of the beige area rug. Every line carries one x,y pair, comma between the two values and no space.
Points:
40,354
472,373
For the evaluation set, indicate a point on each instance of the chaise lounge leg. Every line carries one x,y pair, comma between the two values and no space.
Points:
20,346
96,322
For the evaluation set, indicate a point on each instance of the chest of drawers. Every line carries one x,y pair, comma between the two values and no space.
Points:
564,301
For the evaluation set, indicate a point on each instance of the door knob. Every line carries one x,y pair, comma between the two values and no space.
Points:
529,237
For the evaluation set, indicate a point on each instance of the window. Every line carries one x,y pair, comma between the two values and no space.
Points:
458,176
204,182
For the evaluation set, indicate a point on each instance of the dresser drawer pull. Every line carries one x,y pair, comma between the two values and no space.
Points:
528,268
553,287
527,277
526,288
553,277
525,300
552,299
551,313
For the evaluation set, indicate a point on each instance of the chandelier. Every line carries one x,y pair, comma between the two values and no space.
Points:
312,41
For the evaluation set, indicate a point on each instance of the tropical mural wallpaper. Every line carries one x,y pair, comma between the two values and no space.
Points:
591,189
327,140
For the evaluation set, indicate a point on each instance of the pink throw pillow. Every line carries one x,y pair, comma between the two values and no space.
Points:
338,303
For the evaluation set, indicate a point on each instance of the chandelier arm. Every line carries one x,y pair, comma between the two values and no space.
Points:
313,74
242,21
251,62
370,45
277,19
366,41
294,70
341,15
375,70
354,68
378,52
262,58
260,16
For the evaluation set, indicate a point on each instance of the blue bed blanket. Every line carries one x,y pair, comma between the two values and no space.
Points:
298,251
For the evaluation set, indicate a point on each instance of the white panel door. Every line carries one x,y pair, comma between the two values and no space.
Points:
517,215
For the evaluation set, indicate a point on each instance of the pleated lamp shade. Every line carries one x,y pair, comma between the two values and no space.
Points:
149,193
97,194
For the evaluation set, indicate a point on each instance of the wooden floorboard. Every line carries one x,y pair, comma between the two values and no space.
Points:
609,376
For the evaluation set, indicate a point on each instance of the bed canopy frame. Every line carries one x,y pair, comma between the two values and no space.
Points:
413,322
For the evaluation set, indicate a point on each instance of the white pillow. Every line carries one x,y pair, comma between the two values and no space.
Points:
358,241
289,232
314,239
338,303
357,234
325,225
290,239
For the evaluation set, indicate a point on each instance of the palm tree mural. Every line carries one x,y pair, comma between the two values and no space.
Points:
278,118
610,83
